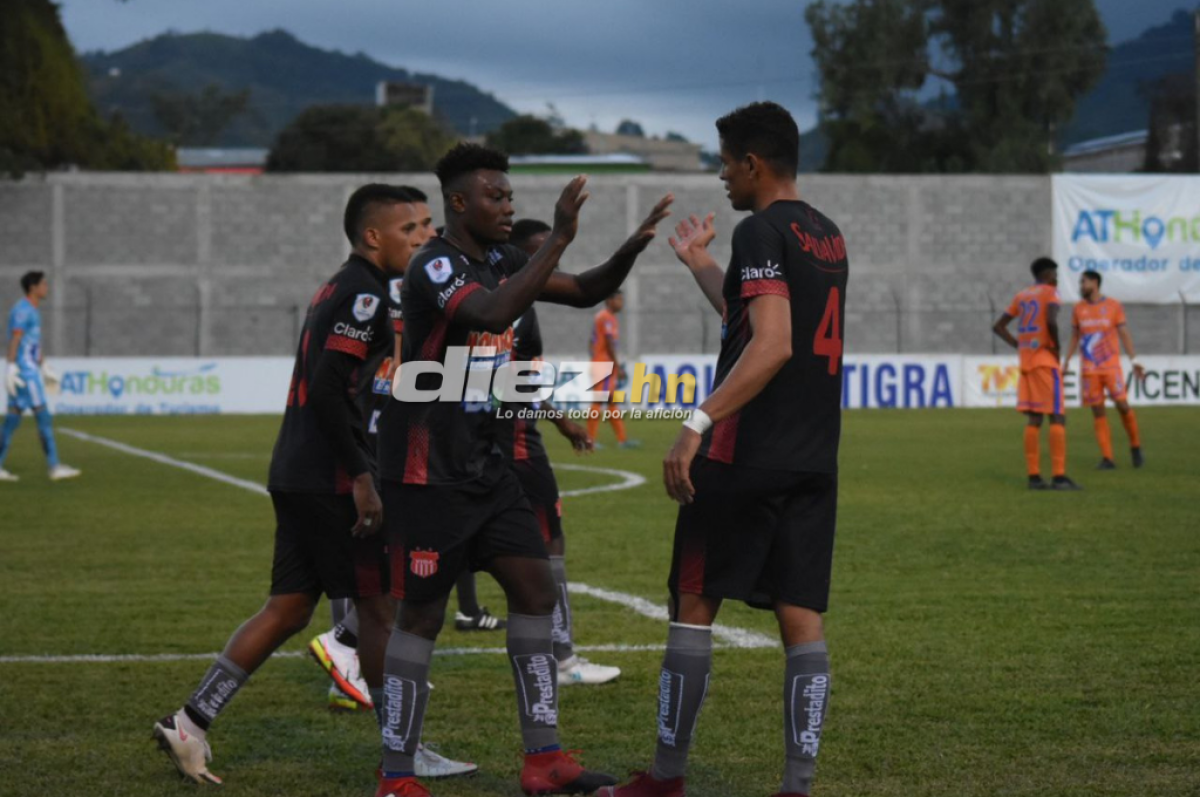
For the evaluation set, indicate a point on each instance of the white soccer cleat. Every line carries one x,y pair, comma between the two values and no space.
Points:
341,662
188,751
60,472
578,670
5,476
428,764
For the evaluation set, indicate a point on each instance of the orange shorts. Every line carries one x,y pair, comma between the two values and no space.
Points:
1040,391
1097,383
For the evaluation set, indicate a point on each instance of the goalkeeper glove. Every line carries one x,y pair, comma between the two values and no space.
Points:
12,379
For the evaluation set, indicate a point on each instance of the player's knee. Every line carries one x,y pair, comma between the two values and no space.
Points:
421,619
292,615
536,600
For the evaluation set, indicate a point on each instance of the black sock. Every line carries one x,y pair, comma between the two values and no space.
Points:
468,604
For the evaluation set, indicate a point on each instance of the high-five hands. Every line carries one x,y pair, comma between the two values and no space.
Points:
692,238
566,210
646,231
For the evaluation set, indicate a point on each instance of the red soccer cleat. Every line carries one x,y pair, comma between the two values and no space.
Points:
555,772
401,787
643,785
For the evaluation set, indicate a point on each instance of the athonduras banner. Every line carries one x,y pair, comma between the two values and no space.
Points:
1141,232
170,385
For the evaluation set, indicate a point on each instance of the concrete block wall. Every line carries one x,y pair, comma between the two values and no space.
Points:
153,264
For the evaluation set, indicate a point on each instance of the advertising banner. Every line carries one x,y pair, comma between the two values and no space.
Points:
992,382
233,385
169,386
1141,232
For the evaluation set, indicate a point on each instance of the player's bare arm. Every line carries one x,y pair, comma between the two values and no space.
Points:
593,286
1139,371
576,434
1000,329
690,243
1072,347
333,373
770,347
495,311
1052,327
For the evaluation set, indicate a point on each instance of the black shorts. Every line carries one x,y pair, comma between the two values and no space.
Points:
434,532
537,480
756,535
315,552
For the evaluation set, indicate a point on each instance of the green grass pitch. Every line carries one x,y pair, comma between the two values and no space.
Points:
985,640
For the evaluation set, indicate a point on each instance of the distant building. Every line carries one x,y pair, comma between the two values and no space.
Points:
663,155
573,164
1112,154
414,95
248,160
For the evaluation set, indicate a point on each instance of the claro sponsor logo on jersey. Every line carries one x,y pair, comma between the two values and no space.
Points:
349,331
768,272
445,295
201,381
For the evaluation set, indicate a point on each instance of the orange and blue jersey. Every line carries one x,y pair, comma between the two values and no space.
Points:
1030,308
604,328
1099,345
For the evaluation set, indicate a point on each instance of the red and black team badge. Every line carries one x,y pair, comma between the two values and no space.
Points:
423,563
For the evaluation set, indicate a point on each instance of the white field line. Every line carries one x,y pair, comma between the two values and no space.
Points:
163,459
94,658
730,636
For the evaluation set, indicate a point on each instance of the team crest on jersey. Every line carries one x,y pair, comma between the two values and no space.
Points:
423,563
365,306
494,256
394,290
439,270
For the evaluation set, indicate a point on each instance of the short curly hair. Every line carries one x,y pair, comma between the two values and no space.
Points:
465,158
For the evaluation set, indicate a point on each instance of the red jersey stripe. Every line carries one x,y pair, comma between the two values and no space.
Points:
724,437
355,348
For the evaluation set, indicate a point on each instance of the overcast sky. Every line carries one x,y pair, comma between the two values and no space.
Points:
670,64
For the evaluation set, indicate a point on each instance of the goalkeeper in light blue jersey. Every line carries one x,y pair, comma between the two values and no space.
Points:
26,374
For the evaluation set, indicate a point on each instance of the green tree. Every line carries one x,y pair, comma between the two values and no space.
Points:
414,139
1016,67
359,138
331,138
46,118
529,135
197,119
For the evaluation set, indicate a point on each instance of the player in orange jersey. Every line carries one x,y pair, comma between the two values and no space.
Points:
1099,325
606,332
1040,390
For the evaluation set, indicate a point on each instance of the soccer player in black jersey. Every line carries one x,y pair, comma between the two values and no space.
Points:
755,467
531,464
451,499
328,513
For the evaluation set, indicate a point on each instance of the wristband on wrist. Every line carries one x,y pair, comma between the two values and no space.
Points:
699,422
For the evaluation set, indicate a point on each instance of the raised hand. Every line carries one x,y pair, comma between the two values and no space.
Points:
692,238
646,231
566,210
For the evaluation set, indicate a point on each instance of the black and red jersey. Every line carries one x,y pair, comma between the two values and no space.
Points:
522,440
447,442
348,315
376,389
791,250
